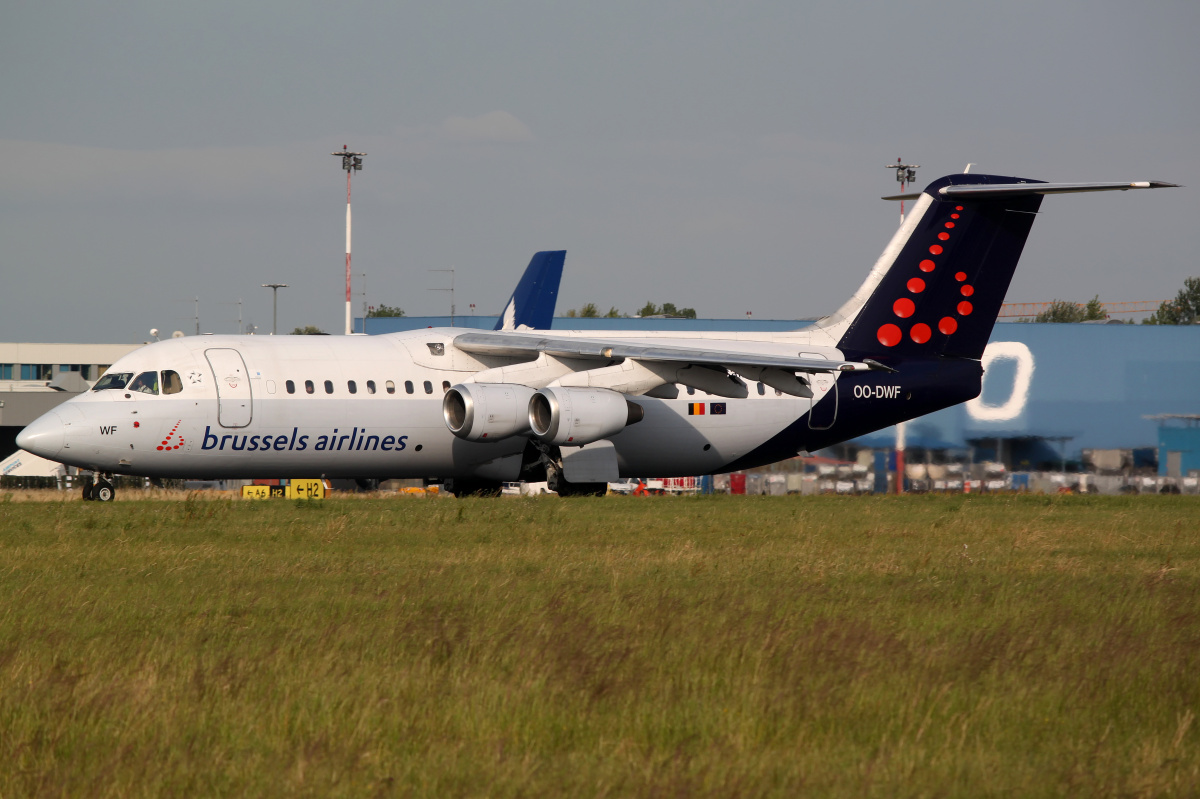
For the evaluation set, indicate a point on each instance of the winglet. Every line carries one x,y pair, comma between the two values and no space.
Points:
531,306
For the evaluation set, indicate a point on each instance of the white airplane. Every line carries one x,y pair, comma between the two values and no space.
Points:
575,409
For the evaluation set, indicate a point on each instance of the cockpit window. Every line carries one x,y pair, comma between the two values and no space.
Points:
146,382
112,380
172,383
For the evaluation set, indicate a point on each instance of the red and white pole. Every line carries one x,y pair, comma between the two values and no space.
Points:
349,316
350,162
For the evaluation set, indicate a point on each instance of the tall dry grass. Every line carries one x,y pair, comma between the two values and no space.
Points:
720,646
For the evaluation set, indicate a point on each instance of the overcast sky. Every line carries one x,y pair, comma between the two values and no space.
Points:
723,156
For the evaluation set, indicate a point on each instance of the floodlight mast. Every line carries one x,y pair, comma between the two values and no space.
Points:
351,162
274,287
905,173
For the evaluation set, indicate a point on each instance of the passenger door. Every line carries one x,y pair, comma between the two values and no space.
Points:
234,402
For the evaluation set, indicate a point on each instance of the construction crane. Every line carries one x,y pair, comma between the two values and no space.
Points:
1030,309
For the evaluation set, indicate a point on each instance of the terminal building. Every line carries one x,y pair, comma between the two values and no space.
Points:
36,377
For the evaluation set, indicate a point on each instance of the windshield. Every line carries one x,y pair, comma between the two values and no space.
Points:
112,380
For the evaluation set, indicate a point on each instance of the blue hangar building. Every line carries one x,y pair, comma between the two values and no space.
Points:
1050,391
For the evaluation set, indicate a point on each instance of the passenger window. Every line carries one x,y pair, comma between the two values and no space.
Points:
352,387
308,386
328,386
370,386
390,386
445,386
291,387
172,382
761,390
408,387
428,387
146,382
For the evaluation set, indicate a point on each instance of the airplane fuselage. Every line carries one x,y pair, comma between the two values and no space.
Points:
371,406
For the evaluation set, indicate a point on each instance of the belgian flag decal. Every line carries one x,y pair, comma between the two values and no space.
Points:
695,409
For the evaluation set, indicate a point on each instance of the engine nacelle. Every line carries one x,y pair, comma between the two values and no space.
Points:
578,416
487,411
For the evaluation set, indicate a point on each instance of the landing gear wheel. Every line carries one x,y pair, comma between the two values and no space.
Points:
88,489
559,484
104,491
582,489
474,488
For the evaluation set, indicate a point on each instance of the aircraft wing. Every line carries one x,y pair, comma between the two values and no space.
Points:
516,344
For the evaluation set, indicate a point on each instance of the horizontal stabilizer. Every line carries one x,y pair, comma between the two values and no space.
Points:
972,191
979,190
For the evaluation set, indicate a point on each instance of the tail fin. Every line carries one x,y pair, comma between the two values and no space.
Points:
938,288
531,306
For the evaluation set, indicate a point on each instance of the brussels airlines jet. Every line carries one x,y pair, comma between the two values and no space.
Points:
575,409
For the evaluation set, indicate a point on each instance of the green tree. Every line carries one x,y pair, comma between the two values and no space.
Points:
386,310
309,330
649,309
669,309
613,313
589,311
1093,310
1183,310
1061,311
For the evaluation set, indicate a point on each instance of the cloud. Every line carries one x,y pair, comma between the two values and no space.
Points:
66,171
495,127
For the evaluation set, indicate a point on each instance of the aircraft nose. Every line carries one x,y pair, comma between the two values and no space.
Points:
44,437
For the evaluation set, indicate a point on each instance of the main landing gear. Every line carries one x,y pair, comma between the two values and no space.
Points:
549,461
99,489
473,487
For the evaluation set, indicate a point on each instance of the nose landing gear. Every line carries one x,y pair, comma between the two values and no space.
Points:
99,489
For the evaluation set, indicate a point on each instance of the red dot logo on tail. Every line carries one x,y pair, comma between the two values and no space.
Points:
889,335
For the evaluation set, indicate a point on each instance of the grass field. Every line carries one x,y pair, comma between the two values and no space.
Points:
911,646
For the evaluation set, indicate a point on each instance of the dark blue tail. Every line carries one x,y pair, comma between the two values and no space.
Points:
944,289
531,305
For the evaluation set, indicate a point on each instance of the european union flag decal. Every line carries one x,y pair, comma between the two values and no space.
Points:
716,408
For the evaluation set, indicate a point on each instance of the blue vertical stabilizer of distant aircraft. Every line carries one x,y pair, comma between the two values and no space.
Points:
531,306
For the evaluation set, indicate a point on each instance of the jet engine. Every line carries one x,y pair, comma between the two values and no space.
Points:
578,416
487,411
